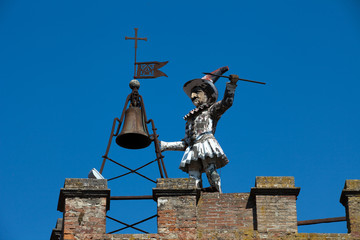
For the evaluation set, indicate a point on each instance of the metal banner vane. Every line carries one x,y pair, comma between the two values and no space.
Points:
149,69
146,69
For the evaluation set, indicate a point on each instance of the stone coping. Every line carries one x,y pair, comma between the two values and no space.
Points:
351,189
83,188
274,182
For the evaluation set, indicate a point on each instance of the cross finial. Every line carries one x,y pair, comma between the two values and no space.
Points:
135,38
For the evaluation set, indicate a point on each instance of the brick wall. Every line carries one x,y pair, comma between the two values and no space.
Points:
224,213
176,202
267,212
275,199
84,203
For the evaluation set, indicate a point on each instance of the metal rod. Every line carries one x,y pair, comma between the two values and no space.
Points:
156,141
157,150
112,132
136,39
131,197
109,144
130,170
125,225
122,175
246,80
323,220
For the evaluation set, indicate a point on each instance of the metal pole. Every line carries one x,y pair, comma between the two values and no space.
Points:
323,220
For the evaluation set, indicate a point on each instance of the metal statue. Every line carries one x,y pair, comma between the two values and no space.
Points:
202,151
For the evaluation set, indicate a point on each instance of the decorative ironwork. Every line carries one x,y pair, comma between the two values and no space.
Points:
149,69
135,134
136,39
130,226
146,69
135,99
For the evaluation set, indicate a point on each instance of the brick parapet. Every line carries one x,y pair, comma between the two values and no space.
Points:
350,198
224,216
83,188
84,203
224,211
176,207
275,206
267,212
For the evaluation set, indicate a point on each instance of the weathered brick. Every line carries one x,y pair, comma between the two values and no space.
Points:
268,212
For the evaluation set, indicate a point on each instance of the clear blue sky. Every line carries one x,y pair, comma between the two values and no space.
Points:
64,74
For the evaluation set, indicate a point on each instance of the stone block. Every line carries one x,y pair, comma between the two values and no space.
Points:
274,182
84,188
176,183
167,187
84,203
85,183
275,205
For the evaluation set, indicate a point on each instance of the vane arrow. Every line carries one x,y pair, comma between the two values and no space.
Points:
246,80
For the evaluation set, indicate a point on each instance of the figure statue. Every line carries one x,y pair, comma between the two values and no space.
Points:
202,151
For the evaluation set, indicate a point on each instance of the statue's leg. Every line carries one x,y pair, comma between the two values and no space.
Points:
213,176
195,173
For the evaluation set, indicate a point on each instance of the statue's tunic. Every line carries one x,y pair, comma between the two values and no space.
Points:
199,139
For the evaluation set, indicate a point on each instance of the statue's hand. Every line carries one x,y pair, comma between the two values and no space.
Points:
161,143
234,78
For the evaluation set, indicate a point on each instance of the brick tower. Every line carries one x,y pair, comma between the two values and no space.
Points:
184,212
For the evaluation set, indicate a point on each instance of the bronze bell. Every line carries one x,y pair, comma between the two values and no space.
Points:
134,134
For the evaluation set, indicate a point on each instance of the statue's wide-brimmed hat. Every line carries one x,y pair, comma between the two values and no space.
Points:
207,83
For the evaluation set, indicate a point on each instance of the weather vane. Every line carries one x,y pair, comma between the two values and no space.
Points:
133,121
146,69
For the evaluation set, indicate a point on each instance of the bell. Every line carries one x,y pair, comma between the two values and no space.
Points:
134,134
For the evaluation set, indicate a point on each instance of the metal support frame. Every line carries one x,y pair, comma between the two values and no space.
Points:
136,100
130,226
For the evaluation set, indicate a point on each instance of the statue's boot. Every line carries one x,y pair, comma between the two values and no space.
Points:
197,176
213,177
218,185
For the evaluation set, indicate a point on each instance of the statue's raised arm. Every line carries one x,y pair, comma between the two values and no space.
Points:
220,107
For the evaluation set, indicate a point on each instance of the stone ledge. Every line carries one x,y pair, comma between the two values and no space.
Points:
348,193
176,183
274,191
175,187
351,189
175,193
352,184
274,182
83,188
85,183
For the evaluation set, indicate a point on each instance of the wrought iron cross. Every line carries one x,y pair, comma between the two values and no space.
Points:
135,38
